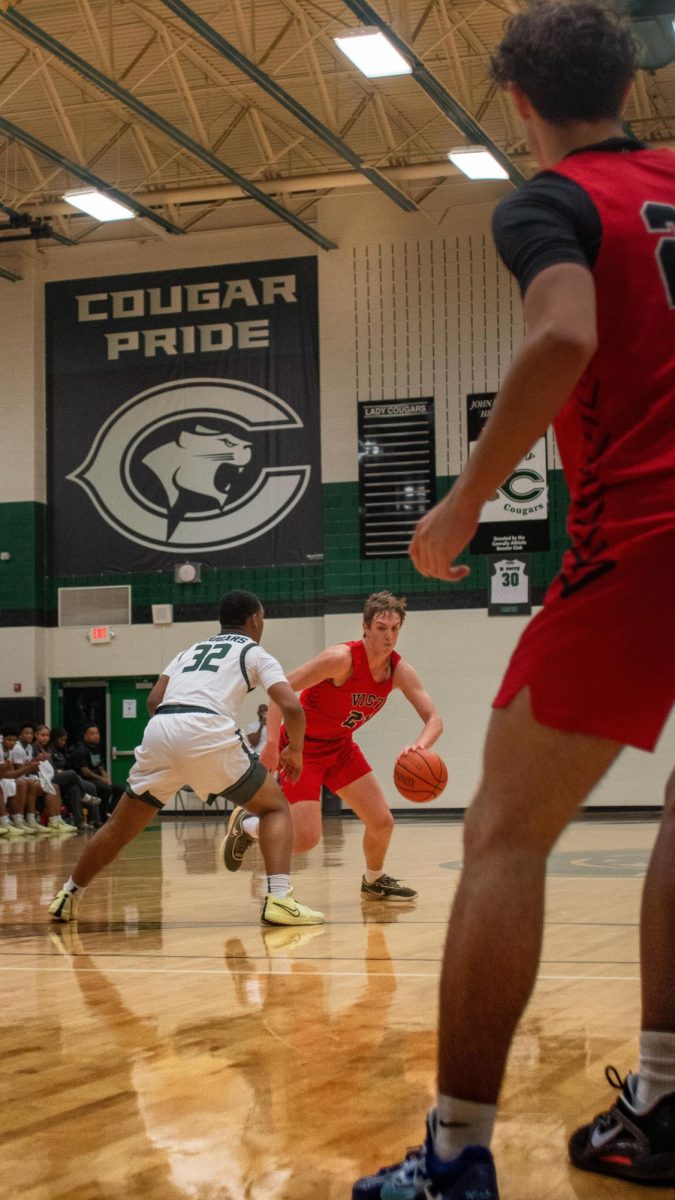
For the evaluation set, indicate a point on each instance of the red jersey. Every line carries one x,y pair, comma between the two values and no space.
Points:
616,433
335,712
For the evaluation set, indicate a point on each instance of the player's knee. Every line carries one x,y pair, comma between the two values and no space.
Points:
380,822
492,828
304,840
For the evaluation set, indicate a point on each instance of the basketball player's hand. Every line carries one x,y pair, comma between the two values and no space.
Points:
441,536
290,763
269,757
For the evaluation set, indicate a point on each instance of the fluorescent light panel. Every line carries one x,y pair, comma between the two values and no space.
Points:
477,163
370,51
99,206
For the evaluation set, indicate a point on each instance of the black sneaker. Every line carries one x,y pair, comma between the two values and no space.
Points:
386,888
639,1147
236,841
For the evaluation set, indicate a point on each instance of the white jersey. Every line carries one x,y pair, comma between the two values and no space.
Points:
20,755
216,674
509,583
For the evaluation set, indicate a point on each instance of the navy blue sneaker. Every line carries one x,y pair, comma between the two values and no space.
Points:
424,1176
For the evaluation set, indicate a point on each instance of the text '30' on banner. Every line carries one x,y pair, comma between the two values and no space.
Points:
515,519
183,418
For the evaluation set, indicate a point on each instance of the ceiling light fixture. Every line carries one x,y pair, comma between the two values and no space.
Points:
98,205
477,163
372,53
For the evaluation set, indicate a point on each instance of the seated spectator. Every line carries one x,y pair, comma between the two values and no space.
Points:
63,783
57,748
8,829
21,788
86,759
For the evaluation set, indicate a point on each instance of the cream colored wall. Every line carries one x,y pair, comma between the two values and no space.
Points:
460,654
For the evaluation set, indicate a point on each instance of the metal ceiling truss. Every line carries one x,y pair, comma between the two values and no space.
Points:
260,84
273,89
84,174
448,105
26,27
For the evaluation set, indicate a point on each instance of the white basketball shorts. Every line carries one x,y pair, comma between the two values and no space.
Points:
201,751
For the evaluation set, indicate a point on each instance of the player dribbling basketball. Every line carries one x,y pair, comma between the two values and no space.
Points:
341,689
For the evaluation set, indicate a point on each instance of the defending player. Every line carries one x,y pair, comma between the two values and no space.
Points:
193,739
341,689
591,241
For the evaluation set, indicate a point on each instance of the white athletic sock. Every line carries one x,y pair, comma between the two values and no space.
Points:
461,1123
371,876
72,887
656,1073
5,820
55,820
250,825
30,819
279,885
17,819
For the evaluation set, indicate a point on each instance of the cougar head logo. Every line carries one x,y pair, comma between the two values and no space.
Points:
190,465
185,465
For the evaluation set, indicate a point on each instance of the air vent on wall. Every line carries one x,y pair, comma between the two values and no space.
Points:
162,614
95,606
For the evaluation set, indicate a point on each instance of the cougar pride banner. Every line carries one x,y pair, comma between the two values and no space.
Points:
183,418
515,519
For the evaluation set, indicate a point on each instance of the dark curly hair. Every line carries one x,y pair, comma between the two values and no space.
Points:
572,61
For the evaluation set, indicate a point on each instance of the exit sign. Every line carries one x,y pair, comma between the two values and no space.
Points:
99,634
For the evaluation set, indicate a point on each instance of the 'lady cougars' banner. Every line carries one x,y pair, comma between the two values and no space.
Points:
183,414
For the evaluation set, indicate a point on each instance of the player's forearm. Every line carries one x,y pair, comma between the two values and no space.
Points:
273,723
433,729
294,723
537,385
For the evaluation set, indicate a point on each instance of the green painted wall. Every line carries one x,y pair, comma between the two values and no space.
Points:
28,596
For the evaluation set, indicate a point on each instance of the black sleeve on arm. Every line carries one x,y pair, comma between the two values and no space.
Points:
549,220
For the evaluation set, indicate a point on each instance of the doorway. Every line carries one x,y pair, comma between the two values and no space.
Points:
117,706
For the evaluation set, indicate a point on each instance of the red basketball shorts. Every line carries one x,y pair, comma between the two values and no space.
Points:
333,763
601,661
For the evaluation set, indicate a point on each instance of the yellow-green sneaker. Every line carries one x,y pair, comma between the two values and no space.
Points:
284,910
64,906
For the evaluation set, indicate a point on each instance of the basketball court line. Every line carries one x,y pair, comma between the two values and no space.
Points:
60,969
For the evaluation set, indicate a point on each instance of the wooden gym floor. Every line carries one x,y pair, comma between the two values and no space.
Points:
169,1048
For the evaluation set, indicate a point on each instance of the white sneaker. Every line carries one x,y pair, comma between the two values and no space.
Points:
14,831
30,828
60,827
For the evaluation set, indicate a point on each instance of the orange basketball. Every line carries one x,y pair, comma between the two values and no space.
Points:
420,775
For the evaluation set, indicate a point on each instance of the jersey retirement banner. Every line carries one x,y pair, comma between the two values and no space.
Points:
510,587
515,519
183,418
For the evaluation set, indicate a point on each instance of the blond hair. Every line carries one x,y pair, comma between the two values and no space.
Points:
383,602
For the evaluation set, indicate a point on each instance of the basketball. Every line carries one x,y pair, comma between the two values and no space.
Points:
420,775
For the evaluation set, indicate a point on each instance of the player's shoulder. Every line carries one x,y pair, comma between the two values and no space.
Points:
549,191
403,671
340,652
